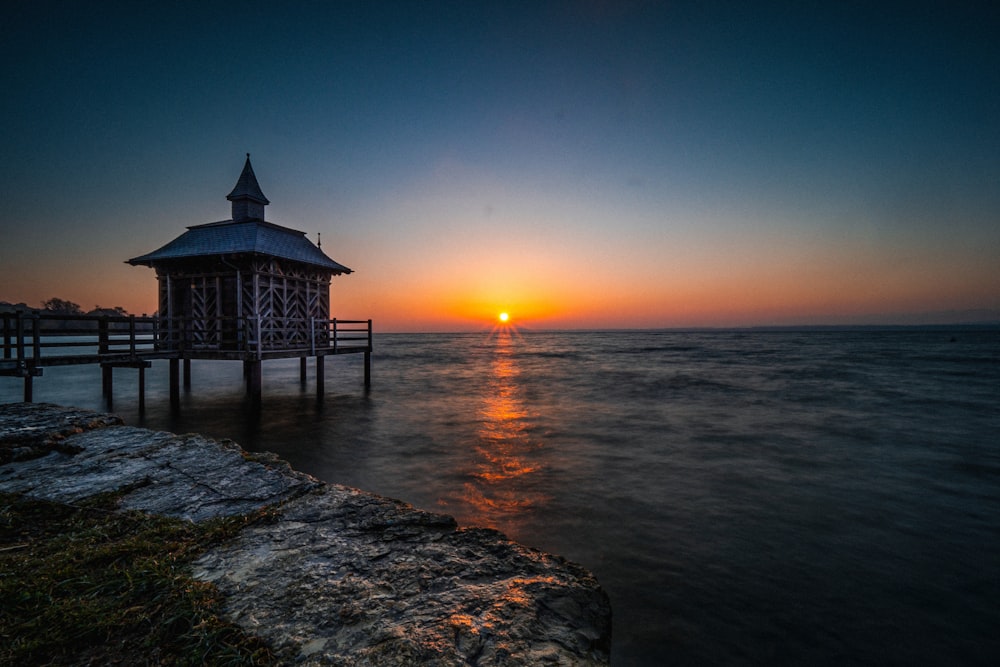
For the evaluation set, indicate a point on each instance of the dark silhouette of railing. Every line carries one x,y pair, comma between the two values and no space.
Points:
32,340
41,339
260,335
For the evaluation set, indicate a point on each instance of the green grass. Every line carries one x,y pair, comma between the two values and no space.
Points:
86,584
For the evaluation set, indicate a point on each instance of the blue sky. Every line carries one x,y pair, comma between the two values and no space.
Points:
580,164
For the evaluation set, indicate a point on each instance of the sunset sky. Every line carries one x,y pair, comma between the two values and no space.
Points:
576,164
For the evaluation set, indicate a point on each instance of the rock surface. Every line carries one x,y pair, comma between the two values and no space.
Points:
340,576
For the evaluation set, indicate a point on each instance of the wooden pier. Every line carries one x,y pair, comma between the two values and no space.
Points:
32,341
242,289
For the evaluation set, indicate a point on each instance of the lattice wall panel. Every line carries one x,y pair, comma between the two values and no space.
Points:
219,308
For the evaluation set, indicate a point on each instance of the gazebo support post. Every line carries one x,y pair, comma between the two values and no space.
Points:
254,381
175,389
320,376
142,389
368,370
107,382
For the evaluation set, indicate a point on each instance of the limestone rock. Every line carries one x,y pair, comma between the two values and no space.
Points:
30,430
406,587
337,576
186,476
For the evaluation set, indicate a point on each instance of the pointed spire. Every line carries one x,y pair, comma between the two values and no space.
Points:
247,198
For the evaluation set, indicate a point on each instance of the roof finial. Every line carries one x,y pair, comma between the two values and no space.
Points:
248,200
319,239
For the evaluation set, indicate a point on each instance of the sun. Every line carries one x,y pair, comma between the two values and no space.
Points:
503,317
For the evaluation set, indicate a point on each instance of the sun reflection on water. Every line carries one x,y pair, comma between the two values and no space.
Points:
501,481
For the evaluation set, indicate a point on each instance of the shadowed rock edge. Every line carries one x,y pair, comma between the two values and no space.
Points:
341,576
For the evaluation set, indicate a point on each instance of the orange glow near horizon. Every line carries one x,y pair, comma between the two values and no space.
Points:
739,282
680,297
725,291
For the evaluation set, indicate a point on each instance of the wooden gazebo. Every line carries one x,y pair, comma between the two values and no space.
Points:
248,289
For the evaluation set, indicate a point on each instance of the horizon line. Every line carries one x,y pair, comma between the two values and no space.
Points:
983,324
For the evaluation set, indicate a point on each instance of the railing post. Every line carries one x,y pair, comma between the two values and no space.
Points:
335,335
369,335
102,335
7,351
36,340
19,323
131,334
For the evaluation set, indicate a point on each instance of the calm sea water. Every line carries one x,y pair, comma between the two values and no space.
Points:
744,497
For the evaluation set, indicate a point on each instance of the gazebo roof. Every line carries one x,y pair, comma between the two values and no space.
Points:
247,186
250,237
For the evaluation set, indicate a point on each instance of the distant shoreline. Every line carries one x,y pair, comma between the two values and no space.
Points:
993,325
985,319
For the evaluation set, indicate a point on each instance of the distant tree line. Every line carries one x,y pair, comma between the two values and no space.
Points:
56,306
64,307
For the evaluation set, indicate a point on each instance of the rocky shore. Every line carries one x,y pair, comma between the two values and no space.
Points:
339,576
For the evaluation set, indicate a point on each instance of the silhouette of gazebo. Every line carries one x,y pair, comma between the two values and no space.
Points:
246,288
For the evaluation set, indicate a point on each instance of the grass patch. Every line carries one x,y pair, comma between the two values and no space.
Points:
86,584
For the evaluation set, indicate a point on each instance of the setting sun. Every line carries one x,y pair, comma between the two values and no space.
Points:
503,317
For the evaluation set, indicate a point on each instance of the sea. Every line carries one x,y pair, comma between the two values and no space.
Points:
746,497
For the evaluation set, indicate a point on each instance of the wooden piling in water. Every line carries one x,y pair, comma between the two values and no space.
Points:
255,382
142,389
107,381
368,370
368,358
320,376
175,388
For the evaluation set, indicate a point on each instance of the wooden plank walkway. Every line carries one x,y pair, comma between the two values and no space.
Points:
34,340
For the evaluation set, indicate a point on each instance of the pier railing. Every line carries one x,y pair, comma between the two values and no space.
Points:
29,338
342,334
34,339
258,335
